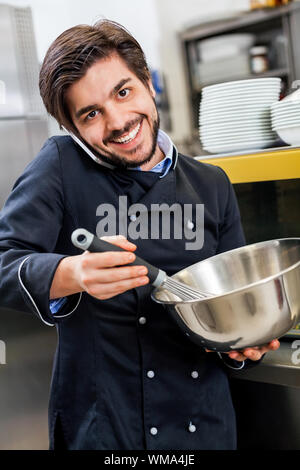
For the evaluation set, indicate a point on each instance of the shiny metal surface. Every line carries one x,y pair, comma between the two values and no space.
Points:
21,139
257,296
25,378
19,68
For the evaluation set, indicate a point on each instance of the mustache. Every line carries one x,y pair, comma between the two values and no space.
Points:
118,133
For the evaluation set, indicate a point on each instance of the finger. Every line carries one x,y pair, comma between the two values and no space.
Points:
111,275
107,259
253,354
237,356
274,344
106,291
121,241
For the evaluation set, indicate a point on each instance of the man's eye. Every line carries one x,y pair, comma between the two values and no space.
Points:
124,93
91,115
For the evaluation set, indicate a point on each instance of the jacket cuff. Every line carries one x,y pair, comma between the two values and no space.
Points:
35,275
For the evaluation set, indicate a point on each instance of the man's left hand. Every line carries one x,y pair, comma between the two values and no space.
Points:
255,353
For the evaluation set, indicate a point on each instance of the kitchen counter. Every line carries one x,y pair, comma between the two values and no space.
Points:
271,164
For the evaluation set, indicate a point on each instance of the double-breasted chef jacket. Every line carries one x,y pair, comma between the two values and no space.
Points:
125,375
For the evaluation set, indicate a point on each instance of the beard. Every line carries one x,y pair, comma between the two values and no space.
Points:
124,162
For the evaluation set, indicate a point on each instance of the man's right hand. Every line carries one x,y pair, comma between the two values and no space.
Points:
102,275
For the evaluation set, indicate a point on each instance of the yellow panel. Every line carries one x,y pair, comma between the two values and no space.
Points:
267,166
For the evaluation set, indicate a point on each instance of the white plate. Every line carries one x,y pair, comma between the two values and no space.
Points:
235,109
288,112
239,99
209,128
292,97
234,106
244,94
239,91
237,138
232,133
280,106
237,120
294,125
279,111
288,117
255,82
236,135
230,117
280,122
290,135
214,129
242,146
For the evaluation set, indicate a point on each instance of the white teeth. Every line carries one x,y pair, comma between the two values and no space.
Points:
129,137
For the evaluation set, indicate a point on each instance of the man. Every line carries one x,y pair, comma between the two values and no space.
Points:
125,376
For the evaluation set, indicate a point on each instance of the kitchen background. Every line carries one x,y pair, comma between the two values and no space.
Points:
170,33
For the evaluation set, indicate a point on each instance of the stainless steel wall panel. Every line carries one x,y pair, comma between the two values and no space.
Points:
19,68
25,381
20,142
14,104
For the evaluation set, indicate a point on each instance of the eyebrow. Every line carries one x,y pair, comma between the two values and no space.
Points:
91,107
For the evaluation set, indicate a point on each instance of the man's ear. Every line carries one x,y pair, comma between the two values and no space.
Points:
151,88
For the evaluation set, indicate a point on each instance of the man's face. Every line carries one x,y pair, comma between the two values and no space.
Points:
115,113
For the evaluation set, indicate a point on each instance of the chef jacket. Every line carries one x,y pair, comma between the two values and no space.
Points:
125,376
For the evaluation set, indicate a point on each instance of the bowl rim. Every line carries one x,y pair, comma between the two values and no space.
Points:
234,291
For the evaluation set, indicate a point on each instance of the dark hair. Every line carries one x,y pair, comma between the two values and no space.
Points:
74,51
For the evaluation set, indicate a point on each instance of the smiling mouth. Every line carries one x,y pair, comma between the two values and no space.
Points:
129,137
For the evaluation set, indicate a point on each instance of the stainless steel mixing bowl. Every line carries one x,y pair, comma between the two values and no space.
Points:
256,296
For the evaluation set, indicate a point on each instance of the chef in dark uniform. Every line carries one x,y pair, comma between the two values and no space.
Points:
125,376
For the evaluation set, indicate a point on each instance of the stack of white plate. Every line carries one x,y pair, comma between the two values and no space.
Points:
236,115
286,118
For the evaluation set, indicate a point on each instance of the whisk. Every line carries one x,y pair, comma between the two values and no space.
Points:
85,240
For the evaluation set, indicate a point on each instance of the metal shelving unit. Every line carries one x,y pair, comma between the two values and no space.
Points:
266,25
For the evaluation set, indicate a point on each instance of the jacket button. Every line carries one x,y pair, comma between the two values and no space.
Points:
150,374
192,427
142,320
195,374
153,431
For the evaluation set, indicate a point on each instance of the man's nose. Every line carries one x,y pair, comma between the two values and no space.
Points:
115,119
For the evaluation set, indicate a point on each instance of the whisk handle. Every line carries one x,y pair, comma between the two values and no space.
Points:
85,240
